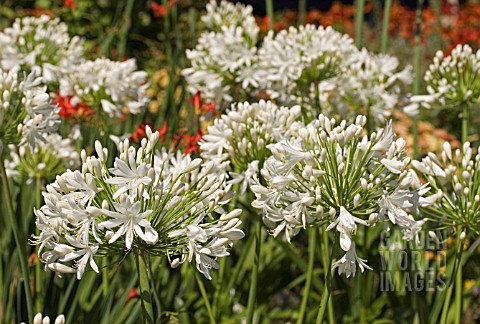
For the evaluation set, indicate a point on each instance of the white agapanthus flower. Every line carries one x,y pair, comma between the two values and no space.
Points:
40,44
26,110
228,14
294,61
109,86
157,202
40,319
341,178
368,83
454,178
241,137
223,64
452,80
48,159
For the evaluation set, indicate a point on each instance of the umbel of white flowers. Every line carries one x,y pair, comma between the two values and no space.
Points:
341,178
47,160
164,204
223,61
26,110
452,80
40,44
454,178
109,87
241,136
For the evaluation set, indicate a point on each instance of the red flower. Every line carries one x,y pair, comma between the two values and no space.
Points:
70,111
191,142
199,105
70,4
132,294
158,10
163,131
32,258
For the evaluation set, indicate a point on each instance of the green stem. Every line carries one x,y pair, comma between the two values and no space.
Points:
386,23
359,16
38,263
252,294
143,279
458,293
416,68
327,266
105,276
308,283
302,9
205,298
269,7
464,123
457,267
18,243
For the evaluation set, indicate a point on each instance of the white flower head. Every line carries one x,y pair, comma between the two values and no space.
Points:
167,204
341,178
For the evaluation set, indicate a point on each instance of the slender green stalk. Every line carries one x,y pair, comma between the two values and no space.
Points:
385,26
359,16
452,276
308,283
327,266
205,298
141,260
416,68
18,243
464,123
38,263
302,9
105,276
458,293
437,8
269,7
252,294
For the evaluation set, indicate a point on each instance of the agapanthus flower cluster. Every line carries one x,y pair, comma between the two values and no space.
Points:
341,178
294,61
241,137
47,160
161,203
41,44
368,83
452,80
223,62
454,178
107,86
26,111
228,14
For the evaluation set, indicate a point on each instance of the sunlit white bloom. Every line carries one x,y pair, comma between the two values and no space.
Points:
26,111
348,263
339,177
169,205
368,83
454,80
48,159
453,178
242,136
40,44
293,61
107,86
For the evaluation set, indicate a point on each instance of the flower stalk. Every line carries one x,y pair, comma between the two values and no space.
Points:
141,260
312,242
16,236
252,294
